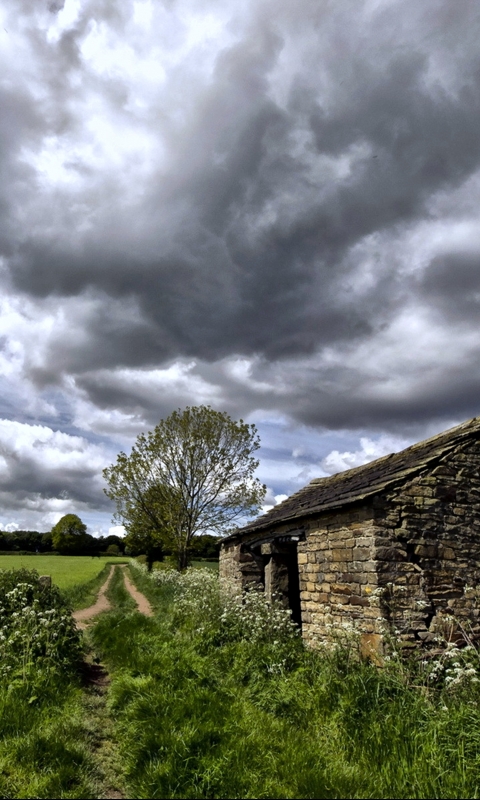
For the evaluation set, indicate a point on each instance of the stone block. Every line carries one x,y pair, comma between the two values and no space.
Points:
342,554
446,552
302,558
426,551
365,566
338,588
391,554
363,541
355,600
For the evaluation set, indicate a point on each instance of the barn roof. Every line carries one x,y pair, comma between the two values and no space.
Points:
356,484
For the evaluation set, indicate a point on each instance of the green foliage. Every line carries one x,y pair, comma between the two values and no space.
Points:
25,541
192,474
206,708
205,546
43,752
69,535
37,633
44,749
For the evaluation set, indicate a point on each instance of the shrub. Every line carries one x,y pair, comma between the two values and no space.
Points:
37,632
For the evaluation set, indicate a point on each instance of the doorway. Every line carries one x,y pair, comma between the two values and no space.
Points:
281,577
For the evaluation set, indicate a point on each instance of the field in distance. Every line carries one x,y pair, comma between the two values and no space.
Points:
66,571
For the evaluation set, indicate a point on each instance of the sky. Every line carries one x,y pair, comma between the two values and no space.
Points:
268,207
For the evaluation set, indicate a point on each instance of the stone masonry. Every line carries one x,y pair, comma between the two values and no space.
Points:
393,545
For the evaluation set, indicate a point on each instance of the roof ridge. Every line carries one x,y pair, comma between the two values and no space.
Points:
356,483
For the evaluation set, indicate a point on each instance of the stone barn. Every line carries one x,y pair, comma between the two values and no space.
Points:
394,543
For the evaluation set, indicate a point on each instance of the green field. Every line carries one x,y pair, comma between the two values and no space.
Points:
66,571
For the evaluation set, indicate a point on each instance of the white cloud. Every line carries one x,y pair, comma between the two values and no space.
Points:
369,451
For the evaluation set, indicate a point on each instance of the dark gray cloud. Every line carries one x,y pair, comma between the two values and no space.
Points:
264,207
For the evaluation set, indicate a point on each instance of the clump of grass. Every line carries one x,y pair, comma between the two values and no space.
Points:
118,595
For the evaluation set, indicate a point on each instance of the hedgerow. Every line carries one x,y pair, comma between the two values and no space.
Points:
38,637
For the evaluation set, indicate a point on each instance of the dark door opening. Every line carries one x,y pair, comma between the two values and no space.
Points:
294,585
282,580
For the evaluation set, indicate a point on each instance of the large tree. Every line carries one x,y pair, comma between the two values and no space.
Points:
194,473
69,535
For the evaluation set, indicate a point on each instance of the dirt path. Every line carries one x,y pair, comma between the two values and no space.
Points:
96,680
101,728
142,603
102,603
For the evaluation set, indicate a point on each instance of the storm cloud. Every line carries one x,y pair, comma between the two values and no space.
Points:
267,207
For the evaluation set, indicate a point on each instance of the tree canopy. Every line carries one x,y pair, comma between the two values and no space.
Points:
193,473
69,535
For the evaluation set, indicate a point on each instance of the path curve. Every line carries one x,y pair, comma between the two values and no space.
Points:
142,603
101,604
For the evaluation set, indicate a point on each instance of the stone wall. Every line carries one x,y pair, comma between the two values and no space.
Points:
338,576
428,547
238,567
404,560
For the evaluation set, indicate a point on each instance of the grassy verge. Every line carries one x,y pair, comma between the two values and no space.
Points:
118,595
83,595
44,748
208,705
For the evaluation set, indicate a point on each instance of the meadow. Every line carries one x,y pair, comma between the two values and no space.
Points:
216,696
66,571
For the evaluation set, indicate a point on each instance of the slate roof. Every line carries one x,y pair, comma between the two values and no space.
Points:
353,485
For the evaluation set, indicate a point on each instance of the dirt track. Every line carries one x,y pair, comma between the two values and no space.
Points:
102,602
142,603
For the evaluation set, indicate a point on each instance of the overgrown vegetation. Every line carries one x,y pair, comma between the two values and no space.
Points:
217,699
43,743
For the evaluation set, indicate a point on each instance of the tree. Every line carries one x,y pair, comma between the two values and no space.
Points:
192,474
145,537
69,535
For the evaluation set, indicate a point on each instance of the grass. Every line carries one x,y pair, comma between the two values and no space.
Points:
213,565
210,699
201,716
44,745
66,571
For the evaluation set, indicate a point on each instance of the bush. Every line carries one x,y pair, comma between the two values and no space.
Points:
38,636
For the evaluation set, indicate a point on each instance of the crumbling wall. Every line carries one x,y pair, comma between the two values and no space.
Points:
428,548
405,559
238,567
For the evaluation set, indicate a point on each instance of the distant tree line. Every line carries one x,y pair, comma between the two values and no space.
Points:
37,542
69,537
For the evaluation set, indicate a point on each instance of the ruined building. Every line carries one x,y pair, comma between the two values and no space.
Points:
394,543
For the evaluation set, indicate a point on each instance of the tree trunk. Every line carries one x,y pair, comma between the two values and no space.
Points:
182,560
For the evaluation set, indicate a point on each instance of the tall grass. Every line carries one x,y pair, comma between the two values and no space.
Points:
217,699
43,744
